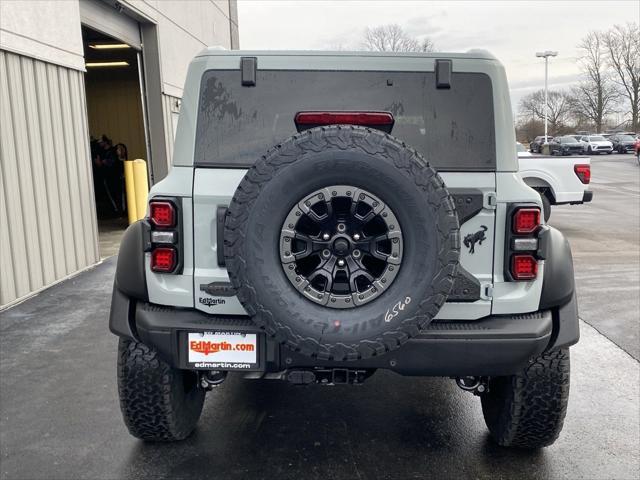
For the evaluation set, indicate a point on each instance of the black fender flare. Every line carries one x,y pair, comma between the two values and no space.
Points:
558,288
558,284
130,284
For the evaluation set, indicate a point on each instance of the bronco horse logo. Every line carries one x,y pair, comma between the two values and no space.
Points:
473,238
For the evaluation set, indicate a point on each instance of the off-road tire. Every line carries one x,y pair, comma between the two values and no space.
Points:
158,402
280,310
527,410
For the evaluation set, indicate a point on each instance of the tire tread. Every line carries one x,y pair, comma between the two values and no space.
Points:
527,410
152,398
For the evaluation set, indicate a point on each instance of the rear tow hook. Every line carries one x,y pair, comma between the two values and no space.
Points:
475,385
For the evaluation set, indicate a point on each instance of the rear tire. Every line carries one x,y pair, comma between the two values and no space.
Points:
158,402
527,410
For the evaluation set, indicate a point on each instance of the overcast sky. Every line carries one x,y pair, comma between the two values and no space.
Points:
513,31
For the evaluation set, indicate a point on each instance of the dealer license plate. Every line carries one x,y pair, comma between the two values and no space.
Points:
222,350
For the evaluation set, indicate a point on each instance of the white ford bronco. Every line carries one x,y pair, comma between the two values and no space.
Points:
331,214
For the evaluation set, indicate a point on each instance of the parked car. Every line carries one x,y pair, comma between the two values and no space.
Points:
596,144
536,145
565,145
294,242
559,181
522,151
622,142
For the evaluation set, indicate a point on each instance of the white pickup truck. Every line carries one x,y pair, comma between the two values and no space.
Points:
560,180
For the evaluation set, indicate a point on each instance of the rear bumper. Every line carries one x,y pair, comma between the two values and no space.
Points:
495,345
587,196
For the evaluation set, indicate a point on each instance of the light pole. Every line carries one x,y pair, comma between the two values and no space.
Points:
546,54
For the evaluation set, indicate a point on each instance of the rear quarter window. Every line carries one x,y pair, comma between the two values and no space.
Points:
453,128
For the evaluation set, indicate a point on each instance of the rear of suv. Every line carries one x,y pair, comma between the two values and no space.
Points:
319,224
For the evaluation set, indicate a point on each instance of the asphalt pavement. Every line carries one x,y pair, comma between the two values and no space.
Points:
60,418
605,240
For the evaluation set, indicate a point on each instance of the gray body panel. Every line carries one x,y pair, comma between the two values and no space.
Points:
225,182
204,189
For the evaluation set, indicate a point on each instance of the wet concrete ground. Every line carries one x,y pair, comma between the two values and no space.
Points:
60,419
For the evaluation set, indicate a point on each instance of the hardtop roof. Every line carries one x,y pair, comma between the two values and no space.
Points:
476,54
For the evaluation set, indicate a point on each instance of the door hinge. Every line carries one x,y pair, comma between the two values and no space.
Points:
490,200
486,291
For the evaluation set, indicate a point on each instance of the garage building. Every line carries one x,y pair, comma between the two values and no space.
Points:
70,71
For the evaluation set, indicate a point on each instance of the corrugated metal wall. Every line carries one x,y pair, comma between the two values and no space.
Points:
47,213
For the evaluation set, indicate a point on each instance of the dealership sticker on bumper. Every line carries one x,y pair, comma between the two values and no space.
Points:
223,350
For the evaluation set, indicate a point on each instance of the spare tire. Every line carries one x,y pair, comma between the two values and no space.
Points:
342,242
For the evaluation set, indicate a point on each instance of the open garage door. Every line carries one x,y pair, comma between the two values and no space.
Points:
116,111
104,18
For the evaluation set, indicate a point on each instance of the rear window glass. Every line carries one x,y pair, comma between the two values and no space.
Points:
453,129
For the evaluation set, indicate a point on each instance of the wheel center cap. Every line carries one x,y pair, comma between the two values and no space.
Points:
341,246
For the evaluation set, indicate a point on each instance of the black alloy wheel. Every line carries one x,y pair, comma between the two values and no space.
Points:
341,246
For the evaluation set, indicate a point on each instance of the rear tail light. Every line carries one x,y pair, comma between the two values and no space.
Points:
526,220
523,249
527,244
380,120
164,236
583,171
524,267
162,214
165,232
163,259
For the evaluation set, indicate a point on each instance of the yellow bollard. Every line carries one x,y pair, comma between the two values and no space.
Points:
137,186
141,187
130,191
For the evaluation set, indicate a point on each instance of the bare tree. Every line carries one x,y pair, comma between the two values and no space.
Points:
623,49
560,104
527,129
595,96
426,45
392,38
